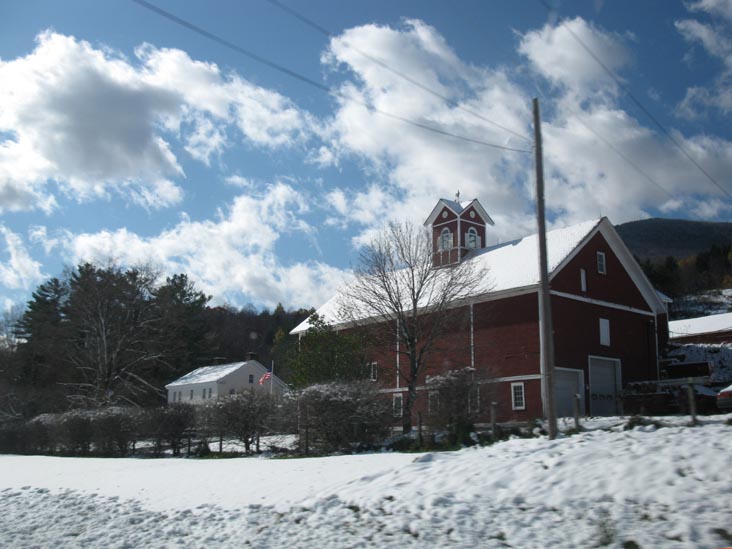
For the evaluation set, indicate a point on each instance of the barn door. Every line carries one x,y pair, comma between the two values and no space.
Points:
604,386
567,383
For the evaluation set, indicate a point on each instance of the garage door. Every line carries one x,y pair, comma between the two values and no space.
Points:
604,386
567,383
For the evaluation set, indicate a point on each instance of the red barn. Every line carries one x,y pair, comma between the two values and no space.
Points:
609,322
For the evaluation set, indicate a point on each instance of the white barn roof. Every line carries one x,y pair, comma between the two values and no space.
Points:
700,325
207,374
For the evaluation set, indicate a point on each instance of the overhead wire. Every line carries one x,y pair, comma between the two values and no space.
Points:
638,103
307,80
322,30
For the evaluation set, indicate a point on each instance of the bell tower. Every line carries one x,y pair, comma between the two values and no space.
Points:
457,230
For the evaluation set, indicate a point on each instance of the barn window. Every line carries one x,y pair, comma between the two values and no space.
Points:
605,332
518,400
433,403
472,238
397,405
583,280
373,371
445,239
601,263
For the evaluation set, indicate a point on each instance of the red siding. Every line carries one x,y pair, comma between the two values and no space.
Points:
615,286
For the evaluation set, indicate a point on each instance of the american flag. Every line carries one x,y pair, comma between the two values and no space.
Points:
265,377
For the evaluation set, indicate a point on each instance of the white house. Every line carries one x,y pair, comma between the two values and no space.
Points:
212,382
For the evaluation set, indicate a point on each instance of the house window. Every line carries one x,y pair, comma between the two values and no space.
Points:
397,405
583,280
191,397
251,378
605,332
472,239
601,263
373,371
433,403
518,400
209,392
203,393
445,239
231,391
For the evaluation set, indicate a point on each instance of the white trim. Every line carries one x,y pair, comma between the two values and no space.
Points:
527,377
523,396
601,303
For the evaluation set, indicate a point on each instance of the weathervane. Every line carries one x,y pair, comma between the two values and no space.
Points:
457,197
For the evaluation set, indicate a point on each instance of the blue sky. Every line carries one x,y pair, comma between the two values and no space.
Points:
125,137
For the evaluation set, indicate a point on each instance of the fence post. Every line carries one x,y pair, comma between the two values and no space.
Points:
575,409
494,428
692,401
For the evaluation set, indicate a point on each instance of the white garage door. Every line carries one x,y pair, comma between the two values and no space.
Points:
604,386
567,383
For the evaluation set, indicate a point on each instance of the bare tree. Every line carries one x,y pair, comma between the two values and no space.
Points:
397,292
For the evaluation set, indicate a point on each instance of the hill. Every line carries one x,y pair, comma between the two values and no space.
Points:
659,238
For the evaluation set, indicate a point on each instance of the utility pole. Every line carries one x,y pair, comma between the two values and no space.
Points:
546,332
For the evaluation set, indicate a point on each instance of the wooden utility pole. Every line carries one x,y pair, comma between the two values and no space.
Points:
546,332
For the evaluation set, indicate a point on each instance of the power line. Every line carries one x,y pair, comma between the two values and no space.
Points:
281,68
640,105
322,30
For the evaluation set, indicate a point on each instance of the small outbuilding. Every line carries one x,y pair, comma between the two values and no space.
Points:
211,382
704,329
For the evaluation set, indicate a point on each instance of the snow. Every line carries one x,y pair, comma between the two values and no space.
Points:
700,325
207,374
654,487
720,356
509,266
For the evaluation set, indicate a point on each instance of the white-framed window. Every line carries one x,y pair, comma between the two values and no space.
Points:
373,371
605,332
445,239
398,405
474,400
472,240
601,267
433,403
518,396
251,378
583,280
191,397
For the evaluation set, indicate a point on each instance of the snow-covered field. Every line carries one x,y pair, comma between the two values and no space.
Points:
645,487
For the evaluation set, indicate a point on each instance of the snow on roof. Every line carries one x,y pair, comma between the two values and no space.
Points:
700,325
509,266
207,374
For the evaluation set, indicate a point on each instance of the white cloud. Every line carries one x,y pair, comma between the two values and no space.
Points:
95,125
716,39
20,271
231,256
557,55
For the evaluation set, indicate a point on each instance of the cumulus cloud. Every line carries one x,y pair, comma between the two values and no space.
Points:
556,52
716,39
19,271
91,123
231,256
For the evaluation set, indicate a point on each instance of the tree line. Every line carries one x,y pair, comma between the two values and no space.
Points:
105,335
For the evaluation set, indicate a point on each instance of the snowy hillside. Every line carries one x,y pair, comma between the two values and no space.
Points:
644,487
